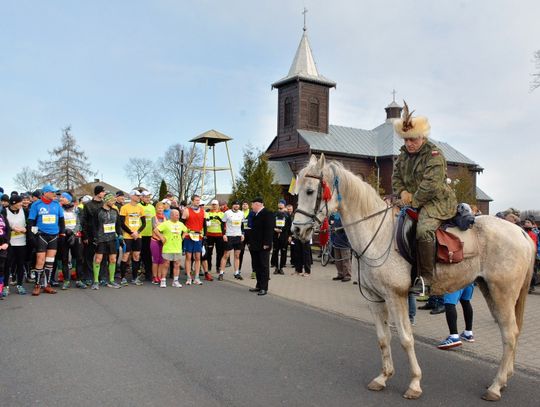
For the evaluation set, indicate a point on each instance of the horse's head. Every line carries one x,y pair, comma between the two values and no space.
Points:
316,198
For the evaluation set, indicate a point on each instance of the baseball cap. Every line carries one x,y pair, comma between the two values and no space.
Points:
98,189
86,199
120,193
282,201
166,201
49,188
214,202
15,199
67,196
235,203
146,193
135,192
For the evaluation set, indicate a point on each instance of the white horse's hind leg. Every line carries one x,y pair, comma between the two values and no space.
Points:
380,316
504,311
399,310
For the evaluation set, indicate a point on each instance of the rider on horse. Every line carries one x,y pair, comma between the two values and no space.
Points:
419,179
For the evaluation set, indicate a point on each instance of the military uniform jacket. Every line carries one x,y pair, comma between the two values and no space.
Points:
424,175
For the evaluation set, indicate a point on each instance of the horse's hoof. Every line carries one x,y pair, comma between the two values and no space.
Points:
375,386
411,394
491,396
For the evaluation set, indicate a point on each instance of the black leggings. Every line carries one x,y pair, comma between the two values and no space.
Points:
15,263
451,316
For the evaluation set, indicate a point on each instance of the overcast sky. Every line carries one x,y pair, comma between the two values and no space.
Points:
133,77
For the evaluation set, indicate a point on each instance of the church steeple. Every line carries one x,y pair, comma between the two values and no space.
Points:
303,99
393,110
303,65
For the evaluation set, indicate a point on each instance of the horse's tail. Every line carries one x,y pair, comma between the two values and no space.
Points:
520,303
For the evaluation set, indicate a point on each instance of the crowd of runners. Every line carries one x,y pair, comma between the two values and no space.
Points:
50,239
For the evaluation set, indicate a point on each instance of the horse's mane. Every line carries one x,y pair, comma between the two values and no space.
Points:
350,185
355,188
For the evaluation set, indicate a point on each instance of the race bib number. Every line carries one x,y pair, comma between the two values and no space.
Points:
176,229
13,233
48,219
71,222
133,222
195,236
108,228
236,222
280,223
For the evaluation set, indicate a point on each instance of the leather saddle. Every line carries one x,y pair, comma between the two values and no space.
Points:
406,236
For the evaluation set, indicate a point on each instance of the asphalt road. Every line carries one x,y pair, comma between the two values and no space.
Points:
215,345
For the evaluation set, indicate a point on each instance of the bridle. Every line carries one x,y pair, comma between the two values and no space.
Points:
317,209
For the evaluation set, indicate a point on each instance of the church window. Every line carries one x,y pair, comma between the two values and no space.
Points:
287,117
313,112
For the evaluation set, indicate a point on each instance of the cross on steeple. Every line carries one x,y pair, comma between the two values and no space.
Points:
304,13
393,95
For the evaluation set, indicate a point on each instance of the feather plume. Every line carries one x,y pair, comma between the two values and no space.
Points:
407,117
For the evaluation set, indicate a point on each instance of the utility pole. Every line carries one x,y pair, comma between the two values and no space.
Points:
182,175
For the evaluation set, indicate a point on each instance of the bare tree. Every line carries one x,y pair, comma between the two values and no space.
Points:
139,170
181,179
535,83
68,166
28,179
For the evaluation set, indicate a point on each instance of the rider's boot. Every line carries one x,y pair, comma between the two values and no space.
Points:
425,253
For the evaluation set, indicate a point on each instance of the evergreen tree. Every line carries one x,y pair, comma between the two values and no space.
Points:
256,179
68,166
162,190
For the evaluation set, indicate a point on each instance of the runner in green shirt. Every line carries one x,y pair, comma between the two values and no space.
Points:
171,233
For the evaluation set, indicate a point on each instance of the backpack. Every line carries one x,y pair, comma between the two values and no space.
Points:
464,218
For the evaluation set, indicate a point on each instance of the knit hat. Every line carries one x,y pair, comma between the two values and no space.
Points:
108,197
67,196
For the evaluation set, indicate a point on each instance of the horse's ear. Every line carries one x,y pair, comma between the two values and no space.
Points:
313,160
321,162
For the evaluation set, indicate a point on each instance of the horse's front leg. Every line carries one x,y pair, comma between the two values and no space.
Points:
400,314
380,316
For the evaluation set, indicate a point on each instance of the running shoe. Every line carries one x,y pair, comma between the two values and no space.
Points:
177,284
449,343
65,285
208,276
465,337
137,282
89,283
12,281
103,283
37,290
124,282
188,282
163,284
220,277
21,290
5,291
238,276
54,283
197,282
49,290
113,284
95,286
155,281
80,284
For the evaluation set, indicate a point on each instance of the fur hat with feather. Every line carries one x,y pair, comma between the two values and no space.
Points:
411,127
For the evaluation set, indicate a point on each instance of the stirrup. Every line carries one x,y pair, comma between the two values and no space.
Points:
419,287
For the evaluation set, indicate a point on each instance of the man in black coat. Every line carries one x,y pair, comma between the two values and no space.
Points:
260,244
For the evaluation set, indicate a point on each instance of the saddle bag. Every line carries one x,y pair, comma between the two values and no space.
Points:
449,247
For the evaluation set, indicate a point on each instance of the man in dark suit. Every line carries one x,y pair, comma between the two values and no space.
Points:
260,244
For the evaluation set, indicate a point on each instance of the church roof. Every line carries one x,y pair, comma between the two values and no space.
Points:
380,142
304,67
482,196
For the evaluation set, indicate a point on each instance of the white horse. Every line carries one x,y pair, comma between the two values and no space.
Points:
502,269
